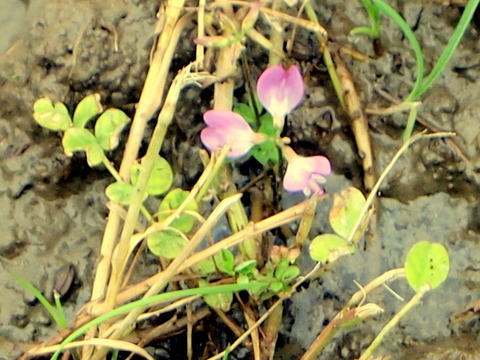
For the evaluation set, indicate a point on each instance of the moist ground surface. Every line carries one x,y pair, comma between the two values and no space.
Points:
52,207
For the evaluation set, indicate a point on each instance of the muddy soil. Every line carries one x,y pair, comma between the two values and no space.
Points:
53,209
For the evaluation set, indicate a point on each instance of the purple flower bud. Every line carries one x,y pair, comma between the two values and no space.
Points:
280,91
305,174
227,127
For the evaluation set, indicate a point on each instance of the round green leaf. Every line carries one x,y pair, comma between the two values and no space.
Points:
52,117
225,261
205,267
427,264
77,139
86,109
220,301
172,201
161,177
109,126
120,192
166,243
347,207
329,247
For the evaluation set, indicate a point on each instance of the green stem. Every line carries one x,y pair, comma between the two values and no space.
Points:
327,57
373,15
412,117
152,301
55,313
391,324
450,48
401,23
111,169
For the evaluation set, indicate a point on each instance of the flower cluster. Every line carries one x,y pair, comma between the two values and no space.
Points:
280,91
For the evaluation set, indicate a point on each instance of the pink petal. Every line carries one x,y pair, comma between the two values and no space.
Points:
227,127
296,177
280,90
212,138
225,120
317,165
305,173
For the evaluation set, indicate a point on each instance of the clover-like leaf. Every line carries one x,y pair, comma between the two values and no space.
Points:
220,301
205,267
427,264
280,269
166,243
78,139
276,286
121,192
246,111
161,177
109,126
50,116
86,109
329,247
347,207
225,262
246,267
266,153
290,273
172,201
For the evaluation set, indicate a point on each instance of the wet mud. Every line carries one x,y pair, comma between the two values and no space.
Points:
52,208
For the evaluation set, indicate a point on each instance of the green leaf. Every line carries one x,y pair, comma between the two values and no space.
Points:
172,201
427,264
280,269
161,177
120,192
347,207
266,153
276,286
247,113
205,267
109,126
246,267
243,279
166,243
77,139
225,262
266,125
290,273
56,313
220,301
52,117
329,247
86,109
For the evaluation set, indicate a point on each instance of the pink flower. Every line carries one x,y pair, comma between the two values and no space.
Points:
305,174
226,127
280,91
